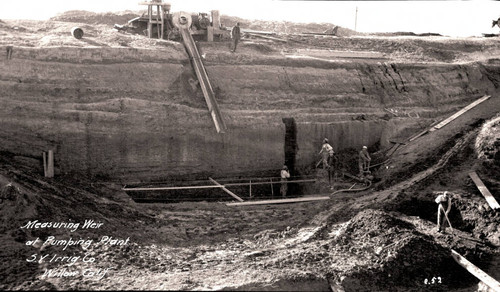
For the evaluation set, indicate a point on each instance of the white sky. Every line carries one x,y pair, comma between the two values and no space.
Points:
452,18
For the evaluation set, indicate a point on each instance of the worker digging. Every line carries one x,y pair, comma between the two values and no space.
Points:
442,214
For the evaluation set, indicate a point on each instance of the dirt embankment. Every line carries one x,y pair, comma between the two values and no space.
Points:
134,114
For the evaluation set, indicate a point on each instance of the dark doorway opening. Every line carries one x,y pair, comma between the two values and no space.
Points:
291,149
290,144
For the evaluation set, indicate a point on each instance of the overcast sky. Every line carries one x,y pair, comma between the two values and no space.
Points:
452,18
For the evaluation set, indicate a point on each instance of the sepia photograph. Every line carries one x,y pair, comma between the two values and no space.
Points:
260,145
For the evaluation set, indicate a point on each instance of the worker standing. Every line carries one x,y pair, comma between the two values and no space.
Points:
285,175
235,35
364,161
440,200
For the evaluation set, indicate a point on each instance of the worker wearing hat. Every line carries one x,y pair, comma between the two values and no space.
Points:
440,200
364,161
285,175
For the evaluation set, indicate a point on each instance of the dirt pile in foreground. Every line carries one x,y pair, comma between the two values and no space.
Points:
400,255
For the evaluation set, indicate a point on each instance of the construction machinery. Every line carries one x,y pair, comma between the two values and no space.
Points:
159,22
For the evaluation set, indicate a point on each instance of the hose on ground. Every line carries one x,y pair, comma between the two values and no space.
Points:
352,190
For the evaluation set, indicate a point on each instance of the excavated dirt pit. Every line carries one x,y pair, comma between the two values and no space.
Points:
122,110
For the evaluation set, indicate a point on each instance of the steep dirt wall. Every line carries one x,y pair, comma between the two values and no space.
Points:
131,114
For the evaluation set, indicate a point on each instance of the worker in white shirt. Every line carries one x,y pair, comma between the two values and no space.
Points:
285,175
441,200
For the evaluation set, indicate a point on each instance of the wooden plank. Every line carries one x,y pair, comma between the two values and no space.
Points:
267,182
422,133
280,201
484,191
171,188
318,33
257,31
202,76
226,190
459,113
214,186
485,278
397,142
418,135
392,150
267,37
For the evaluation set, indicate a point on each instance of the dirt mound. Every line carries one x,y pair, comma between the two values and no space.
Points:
405,33
109,18
286,27
400,255
487,144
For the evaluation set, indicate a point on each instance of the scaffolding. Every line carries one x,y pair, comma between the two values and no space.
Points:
158,19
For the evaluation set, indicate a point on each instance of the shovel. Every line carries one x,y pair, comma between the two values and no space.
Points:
446,216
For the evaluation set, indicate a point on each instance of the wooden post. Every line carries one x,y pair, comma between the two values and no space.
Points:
210,34
158,26
162,11
50,164
44,164
272,190
215,19
150,24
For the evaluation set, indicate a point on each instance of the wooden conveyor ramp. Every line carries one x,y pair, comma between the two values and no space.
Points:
183,22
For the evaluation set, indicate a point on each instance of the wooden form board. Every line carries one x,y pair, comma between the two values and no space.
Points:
484,191
268,37
485,278
170,188
459,113
226,190
202,76
218,186
280,201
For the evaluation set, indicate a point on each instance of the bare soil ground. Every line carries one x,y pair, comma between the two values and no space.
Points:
381,239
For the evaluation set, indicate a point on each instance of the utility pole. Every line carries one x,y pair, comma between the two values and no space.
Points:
356,20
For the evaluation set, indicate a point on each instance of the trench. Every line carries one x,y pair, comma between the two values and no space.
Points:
257,160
